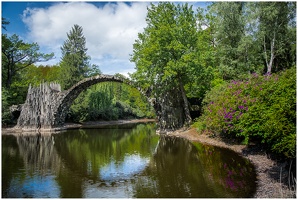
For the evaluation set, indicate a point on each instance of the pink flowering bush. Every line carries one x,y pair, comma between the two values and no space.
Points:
261,108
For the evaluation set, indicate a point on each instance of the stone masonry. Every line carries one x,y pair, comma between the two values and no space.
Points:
46,106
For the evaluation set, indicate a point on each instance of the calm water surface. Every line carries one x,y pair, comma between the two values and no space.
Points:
126,161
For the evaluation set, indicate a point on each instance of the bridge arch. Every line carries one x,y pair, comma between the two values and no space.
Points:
46,106
68,96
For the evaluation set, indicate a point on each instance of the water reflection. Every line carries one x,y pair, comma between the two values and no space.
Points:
30,170
182,169
131,165
127,161
228,171
38,153
101,158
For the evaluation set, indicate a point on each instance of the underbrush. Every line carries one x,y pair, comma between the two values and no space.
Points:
261,109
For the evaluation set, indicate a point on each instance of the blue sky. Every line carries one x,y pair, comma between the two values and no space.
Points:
110,29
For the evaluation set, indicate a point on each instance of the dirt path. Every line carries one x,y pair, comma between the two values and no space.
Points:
269,172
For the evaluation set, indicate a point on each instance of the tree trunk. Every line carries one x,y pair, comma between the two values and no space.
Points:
272,54
187,121
9,77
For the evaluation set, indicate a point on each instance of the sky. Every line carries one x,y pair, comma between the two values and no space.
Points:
110,28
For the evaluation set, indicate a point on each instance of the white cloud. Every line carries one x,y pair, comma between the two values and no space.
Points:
110,30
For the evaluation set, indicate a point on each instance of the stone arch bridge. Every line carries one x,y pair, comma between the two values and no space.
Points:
46,106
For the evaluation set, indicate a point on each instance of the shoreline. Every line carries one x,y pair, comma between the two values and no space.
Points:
271,176
69,126
99,124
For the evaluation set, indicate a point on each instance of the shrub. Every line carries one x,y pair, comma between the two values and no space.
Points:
262,109
6,116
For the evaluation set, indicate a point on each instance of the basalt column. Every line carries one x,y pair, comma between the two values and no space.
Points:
37,111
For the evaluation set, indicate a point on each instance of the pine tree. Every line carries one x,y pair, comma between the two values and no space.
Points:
75,61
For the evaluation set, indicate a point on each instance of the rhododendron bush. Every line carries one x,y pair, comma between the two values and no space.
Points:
260,109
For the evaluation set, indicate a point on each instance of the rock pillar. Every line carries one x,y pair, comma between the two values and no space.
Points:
38,110
169,110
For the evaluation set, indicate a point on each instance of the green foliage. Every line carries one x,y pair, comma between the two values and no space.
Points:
110,101
165,52
4,23
18,55
169,54
75,61
253,37
273,117
79,110
262,109
229,24
273,21
35,75
6,117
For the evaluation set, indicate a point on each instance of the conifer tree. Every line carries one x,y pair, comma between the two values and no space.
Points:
75,61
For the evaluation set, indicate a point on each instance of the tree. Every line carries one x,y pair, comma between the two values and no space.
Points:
230,29
249,35
165,53
274,32
205,54
34,75
18,55
6,116
4,23
110,101
75,61
94,70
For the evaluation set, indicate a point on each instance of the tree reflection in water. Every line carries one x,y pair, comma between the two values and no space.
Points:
182,169
124,161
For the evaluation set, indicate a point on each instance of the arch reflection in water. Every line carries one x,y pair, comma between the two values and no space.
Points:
122,161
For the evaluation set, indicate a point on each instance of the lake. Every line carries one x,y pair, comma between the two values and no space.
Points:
123,161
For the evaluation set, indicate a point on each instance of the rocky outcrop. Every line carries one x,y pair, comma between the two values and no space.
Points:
169,111
38,109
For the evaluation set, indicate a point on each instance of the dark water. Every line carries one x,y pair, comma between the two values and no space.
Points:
126,161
